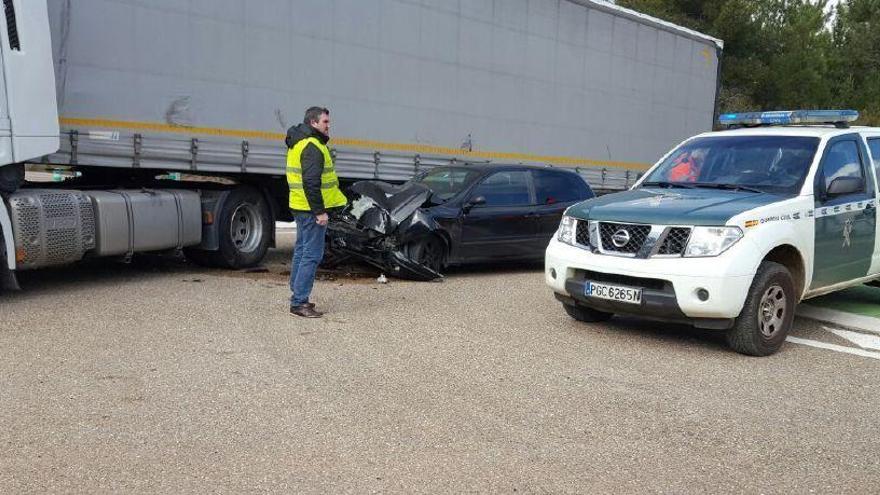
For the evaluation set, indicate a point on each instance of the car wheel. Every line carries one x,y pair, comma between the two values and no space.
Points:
585,314
245,223
768,312
428,251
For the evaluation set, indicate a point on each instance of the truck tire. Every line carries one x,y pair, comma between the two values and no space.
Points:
585,314
11,177
244,223
767,314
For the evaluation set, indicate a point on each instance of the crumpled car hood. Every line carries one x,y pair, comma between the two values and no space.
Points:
383,206
376,226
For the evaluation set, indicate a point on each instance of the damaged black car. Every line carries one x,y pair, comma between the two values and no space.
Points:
454,215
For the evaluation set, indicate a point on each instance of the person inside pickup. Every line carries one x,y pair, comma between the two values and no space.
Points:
687,166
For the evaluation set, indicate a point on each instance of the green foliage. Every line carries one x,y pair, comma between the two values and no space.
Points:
785,54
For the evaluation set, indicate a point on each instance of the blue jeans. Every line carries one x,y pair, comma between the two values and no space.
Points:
307,255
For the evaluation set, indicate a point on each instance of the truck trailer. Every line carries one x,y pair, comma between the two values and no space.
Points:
170,116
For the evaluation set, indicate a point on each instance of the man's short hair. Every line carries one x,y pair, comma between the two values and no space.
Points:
313,114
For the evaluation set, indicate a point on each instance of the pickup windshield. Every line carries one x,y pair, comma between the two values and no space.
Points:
447,182
775,164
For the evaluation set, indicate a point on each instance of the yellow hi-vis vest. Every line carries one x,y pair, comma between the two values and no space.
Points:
333,197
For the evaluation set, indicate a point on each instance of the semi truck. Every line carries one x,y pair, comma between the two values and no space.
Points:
169,116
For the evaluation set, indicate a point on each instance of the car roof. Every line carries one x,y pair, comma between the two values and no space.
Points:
819,131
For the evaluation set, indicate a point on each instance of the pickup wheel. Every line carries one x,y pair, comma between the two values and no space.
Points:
768,312
585,314
245,223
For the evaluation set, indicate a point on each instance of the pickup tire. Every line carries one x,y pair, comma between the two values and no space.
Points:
245,223
767,314
585,314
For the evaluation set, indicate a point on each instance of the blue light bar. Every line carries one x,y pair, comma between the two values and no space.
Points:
789,117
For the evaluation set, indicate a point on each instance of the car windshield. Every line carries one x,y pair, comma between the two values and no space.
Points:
777,164
446,182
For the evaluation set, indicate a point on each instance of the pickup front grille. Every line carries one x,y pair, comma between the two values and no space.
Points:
675,241
623,238
582,233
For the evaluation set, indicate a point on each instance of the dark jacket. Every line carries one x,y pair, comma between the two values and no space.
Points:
312,164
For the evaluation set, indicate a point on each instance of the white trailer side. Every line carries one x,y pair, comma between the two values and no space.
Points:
565,82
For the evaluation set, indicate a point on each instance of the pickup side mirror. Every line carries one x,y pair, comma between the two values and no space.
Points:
477,201
842,186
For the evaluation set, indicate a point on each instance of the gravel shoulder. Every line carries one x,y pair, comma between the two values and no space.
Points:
171,378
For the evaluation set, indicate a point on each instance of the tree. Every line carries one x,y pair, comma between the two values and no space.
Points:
780,54
855,74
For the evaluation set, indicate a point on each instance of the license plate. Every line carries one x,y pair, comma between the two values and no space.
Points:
613,293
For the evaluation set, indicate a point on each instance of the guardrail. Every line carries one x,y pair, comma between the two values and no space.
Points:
226,156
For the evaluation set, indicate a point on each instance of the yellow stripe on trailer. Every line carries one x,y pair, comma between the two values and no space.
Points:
352,142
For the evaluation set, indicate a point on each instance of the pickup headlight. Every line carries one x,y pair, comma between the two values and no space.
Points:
711,241
565,233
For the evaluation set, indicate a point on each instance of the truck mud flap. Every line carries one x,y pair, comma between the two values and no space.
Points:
8,281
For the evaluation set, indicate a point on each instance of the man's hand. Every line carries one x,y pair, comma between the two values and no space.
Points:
322,219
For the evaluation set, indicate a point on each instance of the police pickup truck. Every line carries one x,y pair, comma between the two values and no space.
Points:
730,230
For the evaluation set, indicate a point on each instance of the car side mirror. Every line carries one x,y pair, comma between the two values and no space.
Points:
842,186
478,201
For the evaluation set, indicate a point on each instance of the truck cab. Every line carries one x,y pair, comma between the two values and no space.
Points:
730,230
28,111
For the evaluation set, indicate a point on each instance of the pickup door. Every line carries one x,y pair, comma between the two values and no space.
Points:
874,149
846,224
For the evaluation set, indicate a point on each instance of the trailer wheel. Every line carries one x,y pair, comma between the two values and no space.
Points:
767,314
244,223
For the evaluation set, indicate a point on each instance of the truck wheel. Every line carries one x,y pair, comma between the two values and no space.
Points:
768,312
244,223
585,314
11,177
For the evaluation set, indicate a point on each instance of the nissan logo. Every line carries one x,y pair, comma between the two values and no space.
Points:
620,238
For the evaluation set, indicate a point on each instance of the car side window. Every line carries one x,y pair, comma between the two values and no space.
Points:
842,160
558,187
509,188
874,145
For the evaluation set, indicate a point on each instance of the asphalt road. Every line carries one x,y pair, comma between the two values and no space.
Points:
163,377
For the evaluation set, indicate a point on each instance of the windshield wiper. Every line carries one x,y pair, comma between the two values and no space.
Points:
668,185
728,187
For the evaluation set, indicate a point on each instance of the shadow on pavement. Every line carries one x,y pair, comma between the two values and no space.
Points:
640,329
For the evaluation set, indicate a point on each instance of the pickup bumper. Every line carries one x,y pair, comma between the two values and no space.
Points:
670,286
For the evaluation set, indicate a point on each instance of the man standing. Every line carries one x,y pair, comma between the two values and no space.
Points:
314,189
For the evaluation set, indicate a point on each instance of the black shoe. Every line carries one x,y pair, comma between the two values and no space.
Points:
306,311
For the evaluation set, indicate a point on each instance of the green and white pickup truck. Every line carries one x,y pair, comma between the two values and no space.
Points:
730,230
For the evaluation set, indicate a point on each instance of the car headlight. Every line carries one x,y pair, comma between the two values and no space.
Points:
566,233
711,241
